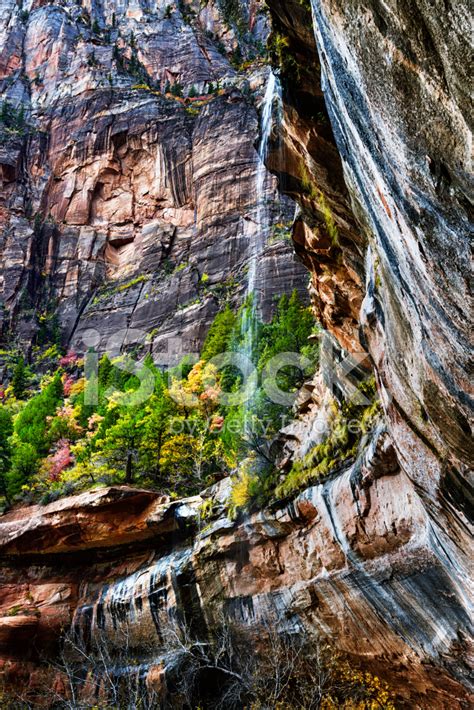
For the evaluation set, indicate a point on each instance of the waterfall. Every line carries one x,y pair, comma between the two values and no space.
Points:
258,236
258,231
272,93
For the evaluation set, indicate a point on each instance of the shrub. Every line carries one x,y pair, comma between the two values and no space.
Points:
340,444
133,282
307,184
328,220
232,666
12,118
240,494
69,359
55,464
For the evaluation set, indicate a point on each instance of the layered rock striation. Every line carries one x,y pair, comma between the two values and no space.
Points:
398,285
353,556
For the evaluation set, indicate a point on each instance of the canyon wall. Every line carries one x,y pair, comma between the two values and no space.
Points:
374,146
396,92
125,209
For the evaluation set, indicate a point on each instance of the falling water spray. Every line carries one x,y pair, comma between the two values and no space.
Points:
259,234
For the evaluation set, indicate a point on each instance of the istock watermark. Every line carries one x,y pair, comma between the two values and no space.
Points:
341,372
260,428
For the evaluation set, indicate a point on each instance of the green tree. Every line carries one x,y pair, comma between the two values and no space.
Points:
289,329
24,464
105,371
287,332
6,430
121,442
31,424
20,378
156,424
220,333
192,92
177,89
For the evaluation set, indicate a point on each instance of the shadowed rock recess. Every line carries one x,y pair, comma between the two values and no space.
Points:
118,198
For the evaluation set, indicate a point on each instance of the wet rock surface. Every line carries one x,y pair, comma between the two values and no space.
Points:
403,140
355,557
397,285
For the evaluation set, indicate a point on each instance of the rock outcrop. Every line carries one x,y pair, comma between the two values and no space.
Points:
394,87
404,142
396,286
354,556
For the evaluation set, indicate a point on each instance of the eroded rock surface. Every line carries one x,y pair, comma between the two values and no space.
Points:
405,142
355,557
394,82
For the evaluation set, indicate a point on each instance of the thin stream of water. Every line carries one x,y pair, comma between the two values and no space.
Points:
259,234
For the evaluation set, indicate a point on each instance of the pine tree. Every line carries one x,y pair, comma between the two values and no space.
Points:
20,378
219,334
177,89
121,443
